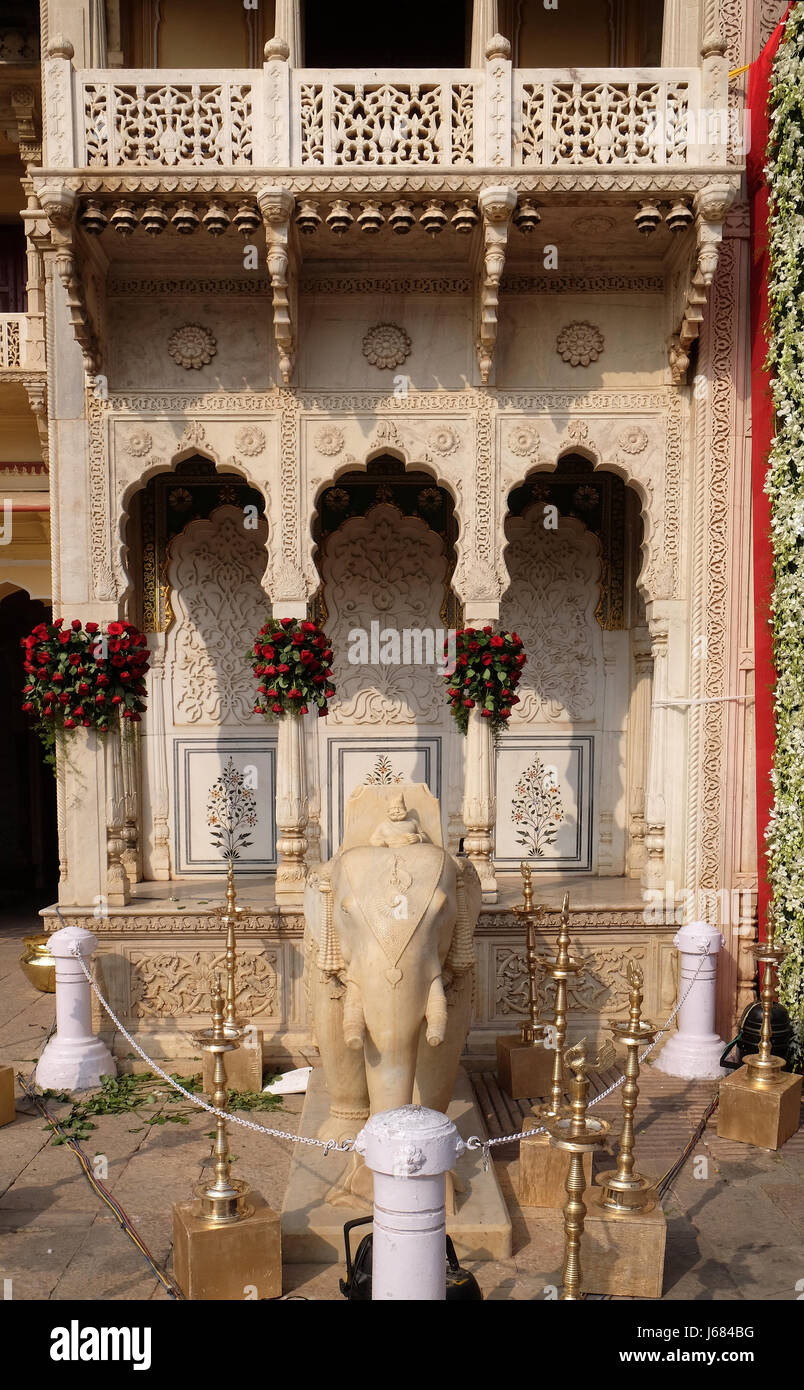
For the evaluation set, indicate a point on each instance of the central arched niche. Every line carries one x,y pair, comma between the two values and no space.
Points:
385,549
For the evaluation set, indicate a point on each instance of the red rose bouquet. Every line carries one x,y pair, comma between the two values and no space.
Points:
80,677
292,661
486,675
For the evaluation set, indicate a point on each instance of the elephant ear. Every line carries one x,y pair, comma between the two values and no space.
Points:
461,955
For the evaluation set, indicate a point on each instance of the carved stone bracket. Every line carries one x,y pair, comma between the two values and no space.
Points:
711,206
36,389
59,205
276,206
496,205
18,120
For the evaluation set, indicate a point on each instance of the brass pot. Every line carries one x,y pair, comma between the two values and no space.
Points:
37,963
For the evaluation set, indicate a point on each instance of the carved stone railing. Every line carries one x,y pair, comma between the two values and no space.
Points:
598,117
385,118
21,343
147,119
11,340
309,119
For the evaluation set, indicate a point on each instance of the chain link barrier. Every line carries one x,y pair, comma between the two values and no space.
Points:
473,1143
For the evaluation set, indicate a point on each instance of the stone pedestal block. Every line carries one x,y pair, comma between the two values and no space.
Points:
243,1067
543,1170
766,1117
524,1070
240,1260
622,1255
7,1111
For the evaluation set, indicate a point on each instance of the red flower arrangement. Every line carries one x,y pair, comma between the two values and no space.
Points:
486,675
80,677
293,662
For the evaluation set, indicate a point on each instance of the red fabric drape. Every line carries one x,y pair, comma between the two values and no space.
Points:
762,436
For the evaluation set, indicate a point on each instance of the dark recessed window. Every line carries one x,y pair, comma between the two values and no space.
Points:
368,35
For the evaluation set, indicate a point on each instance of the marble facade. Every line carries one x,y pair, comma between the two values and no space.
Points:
484,359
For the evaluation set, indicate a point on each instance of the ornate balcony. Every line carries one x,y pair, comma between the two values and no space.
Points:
310,120
21,345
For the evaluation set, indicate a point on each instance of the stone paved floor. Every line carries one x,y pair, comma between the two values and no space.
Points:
733,1234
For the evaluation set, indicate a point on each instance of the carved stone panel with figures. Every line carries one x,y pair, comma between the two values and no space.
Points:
215,571
169,984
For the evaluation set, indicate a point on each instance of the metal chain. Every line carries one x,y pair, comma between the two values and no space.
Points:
473,1143
485,1145
344,1146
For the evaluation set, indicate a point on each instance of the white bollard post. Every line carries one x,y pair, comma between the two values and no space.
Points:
74,1059
695,1050
410,1151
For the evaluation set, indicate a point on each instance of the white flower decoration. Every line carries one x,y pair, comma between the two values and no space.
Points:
250,440
443,440
138,443
329,440
523,440
632,440
192,346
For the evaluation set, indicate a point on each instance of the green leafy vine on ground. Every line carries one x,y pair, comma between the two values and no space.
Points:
785,487
147,1098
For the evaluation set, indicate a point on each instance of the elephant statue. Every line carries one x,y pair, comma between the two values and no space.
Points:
389,947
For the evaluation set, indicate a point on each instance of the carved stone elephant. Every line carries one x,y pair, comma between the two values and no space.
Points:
389,959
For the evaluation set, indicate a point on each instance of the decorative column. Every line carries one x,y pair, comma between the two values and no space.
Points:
638,739
480,802
680,31
655,807
288,26
292,810
130,754
276,206
313,855
409,1151
485,23
157,852
82,772
74,1059
116,880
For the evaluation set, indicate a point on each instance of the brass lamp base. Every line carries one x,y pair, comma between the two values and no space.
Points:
626,1195
239,1260
243,1068
543,1170
7,1110
524,1069
765,1116
221,1205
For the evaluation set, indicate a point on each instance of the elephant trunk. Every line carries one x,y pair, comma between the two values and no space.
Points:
354,1020
436,1013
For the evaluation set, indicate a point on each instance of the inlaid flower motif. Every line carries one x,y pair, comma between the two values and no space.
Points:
443,440
523,440
180,499
192,346
386,345
329,440
580,343
139,443
337,498
632,440
250,440
429,499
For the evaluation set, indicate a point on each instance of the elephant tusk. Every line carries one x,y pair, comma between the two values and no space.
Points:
436,1013
354,1022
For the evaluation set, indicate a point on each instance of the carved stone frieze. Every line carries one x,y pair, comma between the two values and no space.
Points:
167,984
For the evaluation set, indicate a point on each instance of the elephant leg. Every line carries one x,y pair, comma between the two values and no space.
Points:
344,1068
437,1067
